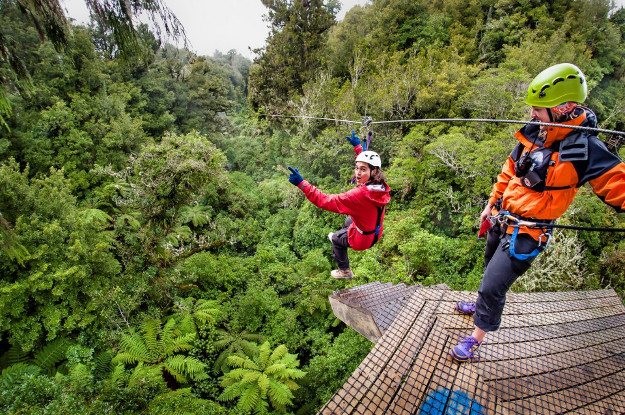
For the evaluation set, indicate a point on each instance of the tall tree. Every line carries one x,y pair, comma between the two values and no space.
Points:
292,55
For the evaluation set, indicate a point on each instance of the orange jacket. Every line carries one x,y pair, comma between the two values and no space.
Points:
578,157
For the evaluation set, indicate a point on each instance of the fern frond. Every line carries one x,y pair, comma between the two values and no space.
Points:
172,370
14,355
187,366
293,373
264,351
14,373
96,217
198,215
251,376
220,362
249,348
231,392
263,383
152,338
178,344
279,395
278,353
289,360
276,369
125,358
102,363
51,354
186,324
132,222
237,374
250,398
243,362
290,384
134,345
118,375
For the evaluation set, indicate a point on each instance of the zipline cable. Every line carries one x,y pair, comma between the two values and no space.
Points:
577,228
484,120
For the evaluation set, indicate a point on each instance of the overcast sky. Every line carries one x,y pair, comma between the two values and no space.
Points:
215,24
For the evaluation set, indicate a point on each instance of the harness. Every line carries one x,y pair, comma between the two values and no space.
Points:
376,231
510,219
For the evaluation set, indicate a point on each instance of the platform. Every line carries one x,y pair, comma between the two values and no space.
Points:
558,353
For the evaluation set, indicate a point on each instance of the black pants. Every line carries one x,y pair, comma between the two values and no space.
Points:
501,271
340,245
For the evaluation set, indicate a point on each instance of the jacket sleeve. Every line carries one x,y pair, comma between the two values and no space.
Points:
605,172
610,187
507,172
346,203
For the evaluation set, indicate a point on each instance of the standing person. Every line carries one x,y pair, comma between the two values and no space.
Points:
364,206
537,184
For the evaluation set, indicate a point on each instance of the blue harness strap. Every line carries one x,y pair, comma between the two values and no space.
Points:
521,257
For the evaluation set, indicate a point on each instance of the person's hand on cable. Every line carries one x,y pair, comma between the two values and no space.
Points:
295,177
353,140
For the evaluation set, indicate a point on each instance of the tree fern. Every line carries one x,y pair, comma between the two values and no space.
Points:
159,348
264,378
230,344
197,215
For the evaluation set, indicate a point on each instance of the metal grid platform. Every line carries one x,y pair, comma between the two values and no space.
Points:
554,353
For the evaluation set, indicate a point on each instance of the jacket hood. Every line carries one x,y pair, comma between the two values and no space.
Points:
378,194
530,133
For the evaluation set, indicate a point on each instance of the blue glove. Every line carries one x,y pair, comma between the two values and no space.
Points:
353,140
295,178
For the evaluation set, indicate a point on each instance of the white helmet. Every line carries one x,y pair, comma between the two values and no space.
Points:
370,157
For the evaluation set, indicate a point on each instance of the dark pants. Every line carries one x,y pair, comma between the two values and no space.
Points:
340,245
501,271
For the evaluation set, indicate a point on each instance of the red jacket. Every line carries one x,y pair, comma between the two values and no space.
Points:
360,203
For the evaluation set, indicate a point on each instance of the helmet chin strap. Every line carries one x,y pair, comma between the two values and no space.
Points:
550,115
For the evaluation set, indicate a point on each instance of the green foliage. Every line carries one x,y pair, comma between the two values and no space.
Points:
160,347
14,373
145,190
328,370
266,377
70,259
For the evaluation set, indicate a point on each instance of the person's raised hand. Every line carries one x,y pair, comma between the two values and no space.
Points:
295,177
353,140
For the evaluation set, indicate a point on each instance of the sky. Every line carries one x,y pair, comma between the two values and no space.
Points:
213,25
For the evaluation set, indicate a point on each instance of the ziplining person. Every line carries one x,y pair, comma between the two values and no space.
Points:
537,184
364,205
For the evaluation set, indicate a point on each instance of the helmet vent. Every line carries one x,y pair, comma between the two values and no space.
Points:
542,91
555,81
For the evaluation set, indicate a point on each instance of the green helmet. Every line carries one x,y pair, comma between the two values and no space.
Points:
556,85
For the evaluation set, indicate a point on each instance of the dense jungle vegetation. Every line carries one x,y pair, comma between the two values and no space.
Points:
160,262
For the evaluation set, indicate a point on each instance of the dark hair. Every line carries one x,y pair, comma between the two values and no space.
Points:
376,177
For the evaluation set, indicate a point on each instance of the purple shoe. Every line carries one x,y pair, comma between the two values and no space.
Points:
465,350
465,308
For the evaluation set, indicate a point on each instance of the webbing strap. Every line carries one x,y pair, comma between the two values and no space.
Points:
521,257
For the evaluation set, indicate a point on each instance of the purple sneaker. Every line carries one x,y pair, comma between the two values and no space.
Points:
465,350
465,308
